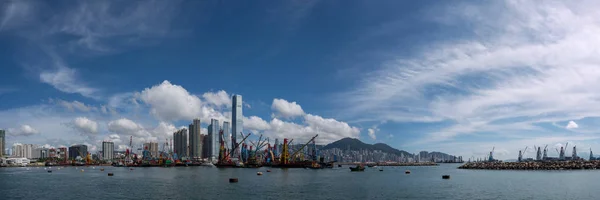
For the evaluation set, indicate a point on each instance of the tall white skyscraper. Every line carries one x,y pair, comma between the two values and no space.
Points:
213,134
237,119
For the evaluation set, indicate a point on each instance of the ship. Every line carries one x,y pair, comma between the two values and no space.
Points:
358,168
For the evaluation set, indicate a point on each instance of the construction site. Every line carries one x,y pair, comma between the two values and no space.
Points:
541,161
244,154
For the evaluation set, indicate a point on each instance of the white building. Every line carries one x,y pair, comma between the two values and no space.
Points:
18,161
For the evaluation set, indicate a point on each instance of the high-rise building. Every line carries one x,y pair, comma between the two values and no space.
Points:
108,151
205,145
195,140
213,134
2,142
152,147
226,133
78,150
237,118
180,143
28,151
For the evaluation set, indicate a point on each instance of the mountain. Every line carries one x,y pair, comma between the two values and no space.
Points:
355,144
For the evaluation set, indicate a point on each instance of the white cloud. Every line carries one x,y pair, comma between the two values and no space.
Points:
526,63
127,127
76,105
24,130
85,126
164,130
371,133
255,123
15,14
329,130
170,102
219,99
65,80
572,125
286,109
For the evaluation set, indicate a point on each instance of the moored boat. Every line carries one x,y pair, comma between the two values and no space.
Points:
358,168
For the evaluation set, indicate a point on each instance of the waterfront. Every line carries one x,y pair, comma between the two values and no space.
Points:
337,183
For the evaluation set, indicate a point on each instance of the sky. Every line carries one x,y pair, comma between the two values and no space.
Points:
460,77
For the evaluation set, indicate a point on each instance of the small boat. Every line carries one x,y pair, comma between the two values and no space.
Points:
268,170
380,170
407,172
339,165
259,173
358,168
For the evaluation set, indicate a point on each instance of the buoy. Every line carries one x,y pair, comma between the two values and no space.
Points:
110,174
407,172
233,180
268,170
259,173
81,170
446,176
49,171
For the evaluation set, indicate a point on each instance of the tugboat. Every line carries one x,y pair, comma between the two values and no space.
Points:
358,168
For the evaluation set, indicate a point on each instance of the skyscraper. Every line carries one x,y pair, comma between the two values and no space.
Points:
108,151
226,133
195,139
180,142
2,142
237,118
213,134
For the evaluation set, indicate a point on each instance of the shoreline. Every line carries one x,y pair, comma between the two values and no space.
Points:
533,165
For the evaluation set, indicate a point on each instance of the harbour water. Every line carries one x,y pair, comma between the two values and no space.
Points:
338,183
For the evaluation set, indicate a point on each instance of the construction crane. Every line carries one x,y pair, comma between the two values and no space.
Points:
296,152
227,155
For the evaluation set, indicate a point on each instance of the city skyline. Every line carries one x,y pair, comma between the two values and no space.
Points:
456,77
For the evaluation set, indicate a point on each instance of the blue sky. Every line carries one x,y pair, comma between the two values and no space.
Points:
454,76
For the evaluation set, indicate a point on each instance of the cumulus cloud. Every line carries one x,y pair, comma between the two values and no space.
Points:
286,109
329,130
170,102
572,125
127,127
24,130
219,99
85,126
255,123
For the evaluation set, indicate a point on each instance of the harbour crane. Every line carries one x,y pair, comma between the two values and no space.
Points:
227,156
296,152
